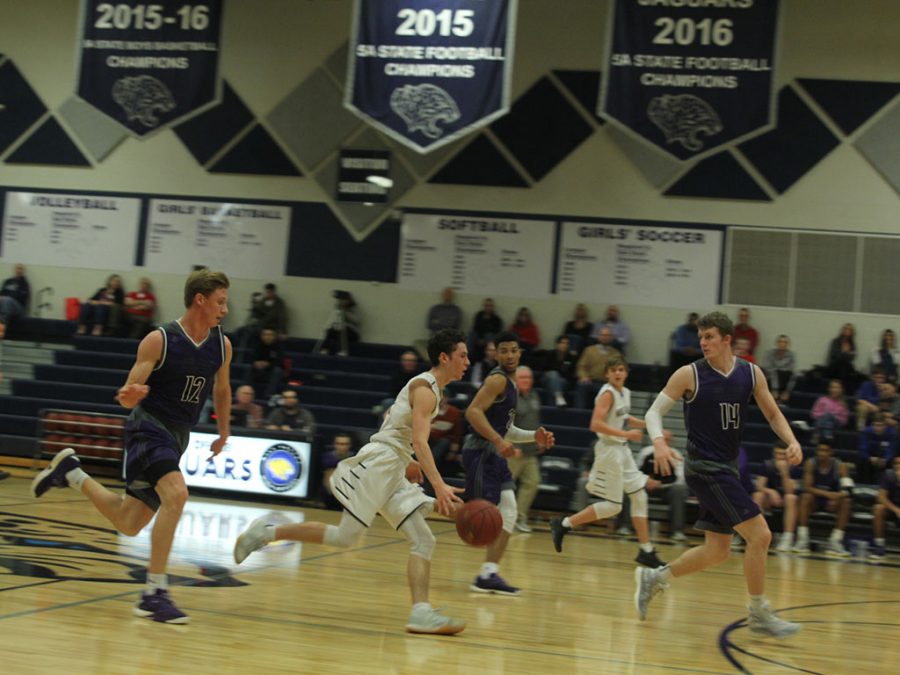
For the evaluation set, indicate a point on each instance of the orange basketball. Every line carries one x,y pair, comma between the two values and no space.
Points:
478,522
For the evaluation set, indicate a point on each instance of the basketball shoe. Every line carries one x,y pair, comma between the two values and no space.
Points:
159,607
431,621
648,559
55,473
835,549
493,584
764,622
558,531
648,583
252,539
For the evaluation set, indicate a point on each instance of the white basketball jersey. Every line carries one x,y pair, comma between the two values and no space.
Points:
396,430
618,412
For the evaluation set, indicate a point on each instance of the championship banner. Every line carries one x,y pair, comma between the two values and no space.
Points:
426,72
690,75
149,66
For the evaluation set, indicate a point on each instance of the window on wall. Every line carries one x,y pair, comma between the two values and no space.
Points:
812,270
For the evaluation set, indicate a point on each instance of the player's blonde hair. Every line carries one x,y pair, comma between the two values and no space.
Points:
205,282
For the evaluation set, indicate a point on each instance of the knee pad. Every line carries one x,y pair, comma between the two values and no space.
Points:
344,535
421,539
508,509
639,502
605,509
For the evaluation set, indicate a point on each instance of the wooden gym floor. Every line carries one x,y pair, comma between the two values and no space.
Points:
68,581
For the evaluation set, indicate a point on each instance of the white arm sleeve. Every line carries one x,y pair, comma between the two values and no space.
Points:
516,435
653,416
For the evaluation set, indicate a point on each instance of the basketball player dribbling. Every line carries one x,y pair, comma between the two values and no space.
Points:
491,415
375,481
177,365
716,391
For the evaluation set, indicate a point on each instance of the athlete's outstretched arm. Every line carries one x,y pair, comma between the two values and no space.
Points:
423,401
680,384
148,354
775,417
222,401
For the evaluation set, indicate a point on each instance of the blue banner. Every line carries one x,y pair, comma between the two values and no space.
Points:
690,75
426,72
149,66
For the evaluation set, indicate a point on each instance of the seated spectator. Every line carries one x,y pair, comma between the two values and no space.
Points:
525,468
266,359
579,329
341,448
780,367
484,327
591,368
743,329
841,355
830,412
621,332
673,493
825,479
289,416
741,348
775,489
102,310
685,343
886,357
886,508
446,437
526,330
140,306
14,297
269,311
488,362
445,314
244,412
409,368
867,398
556,370
877,449
343,330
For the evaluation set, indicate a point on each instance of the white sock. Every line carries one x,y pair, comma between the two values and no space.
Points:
648,547
803,533
566,523
76,477
421,606
665,573
487,569
269,531
757,602
155,581
837,535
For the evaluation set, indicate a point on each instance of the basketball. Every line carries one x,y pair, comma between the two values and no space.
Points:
478,522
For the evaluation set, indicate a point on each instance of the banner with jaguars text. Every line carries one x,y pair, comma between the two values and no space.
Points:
690,75
426,72
149,66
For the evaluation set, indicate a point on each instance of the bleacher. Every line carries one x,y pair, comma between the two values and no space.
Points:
341,392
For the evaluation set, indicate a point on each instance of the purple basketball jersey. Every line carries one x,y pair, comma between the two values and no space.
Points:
181,381
714,415
502,411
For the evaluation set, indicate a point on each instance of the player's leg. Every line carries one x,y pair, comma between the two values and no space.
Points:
423,617
640,508
494,483
606,482
763,620
789,523
807,504
835,547
529,480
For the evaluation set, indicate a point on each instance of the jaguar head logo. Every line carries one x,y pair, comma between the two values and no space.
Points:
422,106
682,118
142,97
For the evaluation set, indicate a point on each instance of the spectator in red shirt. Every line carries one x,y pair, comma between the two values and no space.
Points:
743,329
140,306
741,349
526,330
